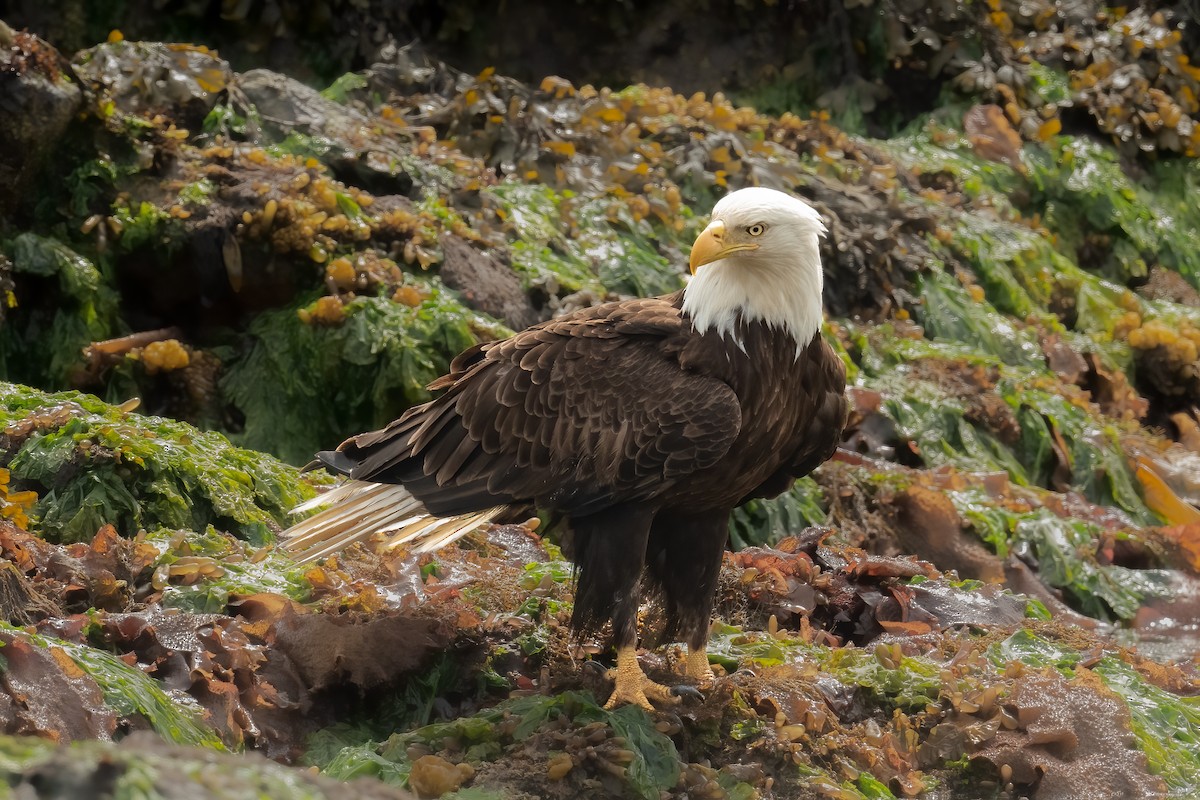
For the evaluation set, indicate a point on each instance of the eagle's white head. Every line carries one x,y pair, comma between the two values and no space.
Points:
758,260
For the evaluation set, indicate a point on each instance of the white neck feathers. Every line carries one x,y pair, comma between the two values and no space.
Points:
783,294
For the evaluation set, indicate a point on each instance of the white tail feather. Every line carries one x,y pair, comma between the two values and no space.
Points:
358,510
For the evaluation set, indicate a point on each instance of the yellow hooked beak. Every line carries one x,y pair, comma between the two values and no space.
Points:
711,246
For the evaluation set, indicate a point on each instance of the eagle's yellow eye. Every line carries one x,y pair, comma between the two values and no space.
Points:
756,229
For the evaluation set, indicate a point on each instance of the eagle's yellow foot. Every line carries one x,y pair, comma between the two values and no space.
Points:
633,687
696,667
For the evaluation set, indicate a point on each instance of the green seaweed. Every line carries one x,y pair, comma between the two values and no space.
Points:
1066,553
128,690
105,466
1085,191
732,647
929,147
241,575
1046,414
872,789
565,243
943,436
911,683
148,226
18,753
1096,459
483,736
344,86
38,767
948,313
305,387
766,521
1066,556
1166,726
64,303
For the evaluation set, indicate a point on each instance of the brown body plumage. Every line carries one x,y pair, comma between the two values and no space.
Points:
643,422
619,403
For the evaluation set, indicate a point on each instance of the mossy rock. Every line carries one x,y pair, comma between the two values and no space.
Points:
93,464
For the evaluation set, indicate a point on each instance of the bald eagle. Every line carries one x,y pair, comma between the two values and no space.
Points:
643,422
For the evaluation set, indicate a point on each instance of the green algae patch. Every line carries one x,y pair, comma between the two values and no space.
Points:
732,647
1087,194
1066,551
1066,554
305,386
931,147
1017,417
19,753
1167,726
652,767
938,425
62,304
157,771
206,569
893,680
566,243
129,691
94,464
949,313
766,521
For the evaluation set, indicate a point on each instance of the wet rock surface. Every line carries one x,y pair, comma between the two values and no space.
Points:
37,101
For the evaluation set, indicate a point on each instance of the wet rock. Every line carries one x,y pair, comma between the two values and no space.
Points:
363,151
1072,740
181,81
1111,390
1063,359
171,772
37,102
875,248
486,284
942,605
1166,284
44,693
929,525
991,134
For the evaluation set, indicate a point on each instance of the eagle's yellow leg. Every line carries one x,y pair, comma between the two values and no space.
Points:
633,687
696,667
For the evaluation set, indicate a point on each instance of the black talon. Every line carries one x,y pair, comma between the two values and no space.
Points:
683,689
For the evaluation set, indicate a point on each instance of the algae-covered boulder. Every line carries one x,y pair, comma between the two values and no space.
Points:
143,766
92,464
38,98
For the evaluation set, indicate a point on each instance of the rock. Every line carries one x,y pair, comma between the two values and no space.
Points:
930,526
1165,284
486,284
1072,740
44,692
288,105
37,102
171,772
181,81
358,151
991,135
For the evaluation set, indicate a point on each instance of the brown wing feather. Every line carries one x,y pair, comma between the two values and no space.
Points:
577,413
